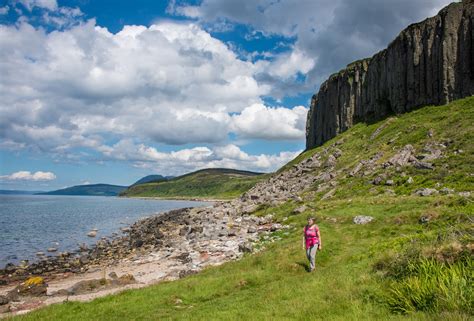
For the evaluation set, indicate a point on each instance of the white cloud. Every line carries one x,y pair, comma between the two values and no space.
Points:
28,176
259,121
44,4
4,10
328,33
169,83
290,64
191,159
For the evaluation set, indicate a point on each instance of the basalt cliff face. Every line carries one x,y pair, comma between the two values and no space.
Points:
429,63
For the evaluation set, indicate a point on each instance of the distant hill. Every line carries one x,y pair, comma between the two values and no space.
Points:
215,183
151,178
17,192
90,190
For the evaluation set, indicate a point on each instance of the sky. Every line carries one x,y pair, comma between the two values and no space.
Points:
108,91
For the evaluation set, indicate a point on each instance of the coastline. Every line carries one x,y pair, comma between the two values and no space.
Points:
162,247
192,199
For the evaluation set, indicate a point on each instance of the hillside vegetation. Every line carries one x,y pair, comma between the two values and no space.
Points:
412,262
208,183
88,190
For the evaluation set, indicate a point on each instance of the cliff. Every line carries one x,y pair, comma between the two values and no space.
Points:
429,63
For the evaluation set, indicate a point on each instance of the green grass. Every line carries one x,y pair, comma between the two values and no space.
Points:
274,285
394,268
209,183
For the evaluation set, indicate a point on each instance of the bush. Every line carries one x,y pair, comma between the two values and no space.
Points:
433,287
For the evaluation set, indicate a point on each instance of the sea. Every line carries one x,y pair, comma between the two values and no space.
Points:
34,223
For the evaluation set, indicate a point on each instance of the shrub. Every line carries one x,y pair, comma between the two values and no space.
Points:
433,287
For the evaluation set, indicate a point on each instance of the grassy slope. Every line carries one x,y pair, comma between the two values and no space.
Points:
210,183
361,267
89,190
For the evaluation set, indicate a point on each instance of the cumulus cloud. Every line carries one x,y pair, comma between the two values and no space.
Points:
329,33
260,121
44,4
4,10
191,159
170,83
29,176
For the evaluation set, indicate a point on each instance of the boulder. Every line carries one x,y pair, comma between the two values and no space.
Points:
92,233
300,209
426,191
402,157
423,165
34,286
337,153
446,191
362,219
424,219
245,247
3,300
331,161
378,180
356,169
251,229
126,279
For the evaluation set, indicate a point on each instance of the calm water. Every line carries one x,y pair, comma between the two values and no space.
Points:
32,223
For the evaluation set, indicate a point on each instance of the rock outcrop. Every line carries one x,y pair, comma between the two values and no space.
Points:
429,63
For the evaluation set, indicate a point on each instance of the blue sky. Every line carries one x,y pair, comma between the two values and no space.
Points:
110,91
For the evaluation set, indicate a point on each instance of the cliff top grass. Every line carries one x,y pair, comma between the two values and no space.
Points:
412,262
203,184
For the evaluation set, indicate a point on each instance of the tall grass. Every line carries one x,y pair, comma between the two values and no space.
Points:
432,286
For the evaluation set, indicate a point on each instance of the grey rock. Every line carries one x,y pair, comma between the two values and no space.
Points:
246,247
464,194
446,191
252,230
428,63
426,191
423,165
3,300
331,161
389,182
300,209
92,234
378,180
410,180
356,169
329,194
424,219
402,157
362,219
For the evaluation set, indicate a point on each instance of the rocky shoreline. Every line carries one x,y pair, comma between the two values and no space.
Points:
166,246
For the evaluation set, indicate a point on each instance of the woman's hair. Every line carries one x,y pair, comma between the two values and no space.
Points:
311,218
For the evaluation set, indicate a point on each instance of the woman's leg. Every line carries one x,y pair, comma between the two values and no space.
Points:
312,256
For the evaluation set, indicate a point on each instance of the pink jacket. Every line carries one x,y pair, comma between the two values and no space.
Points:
311,236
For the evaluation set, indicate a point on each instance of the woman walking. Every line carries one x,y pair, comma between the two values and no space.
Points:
311,242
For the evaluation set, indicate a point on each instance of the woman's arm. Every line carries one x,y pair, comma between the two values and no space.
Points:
304,240
320,247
